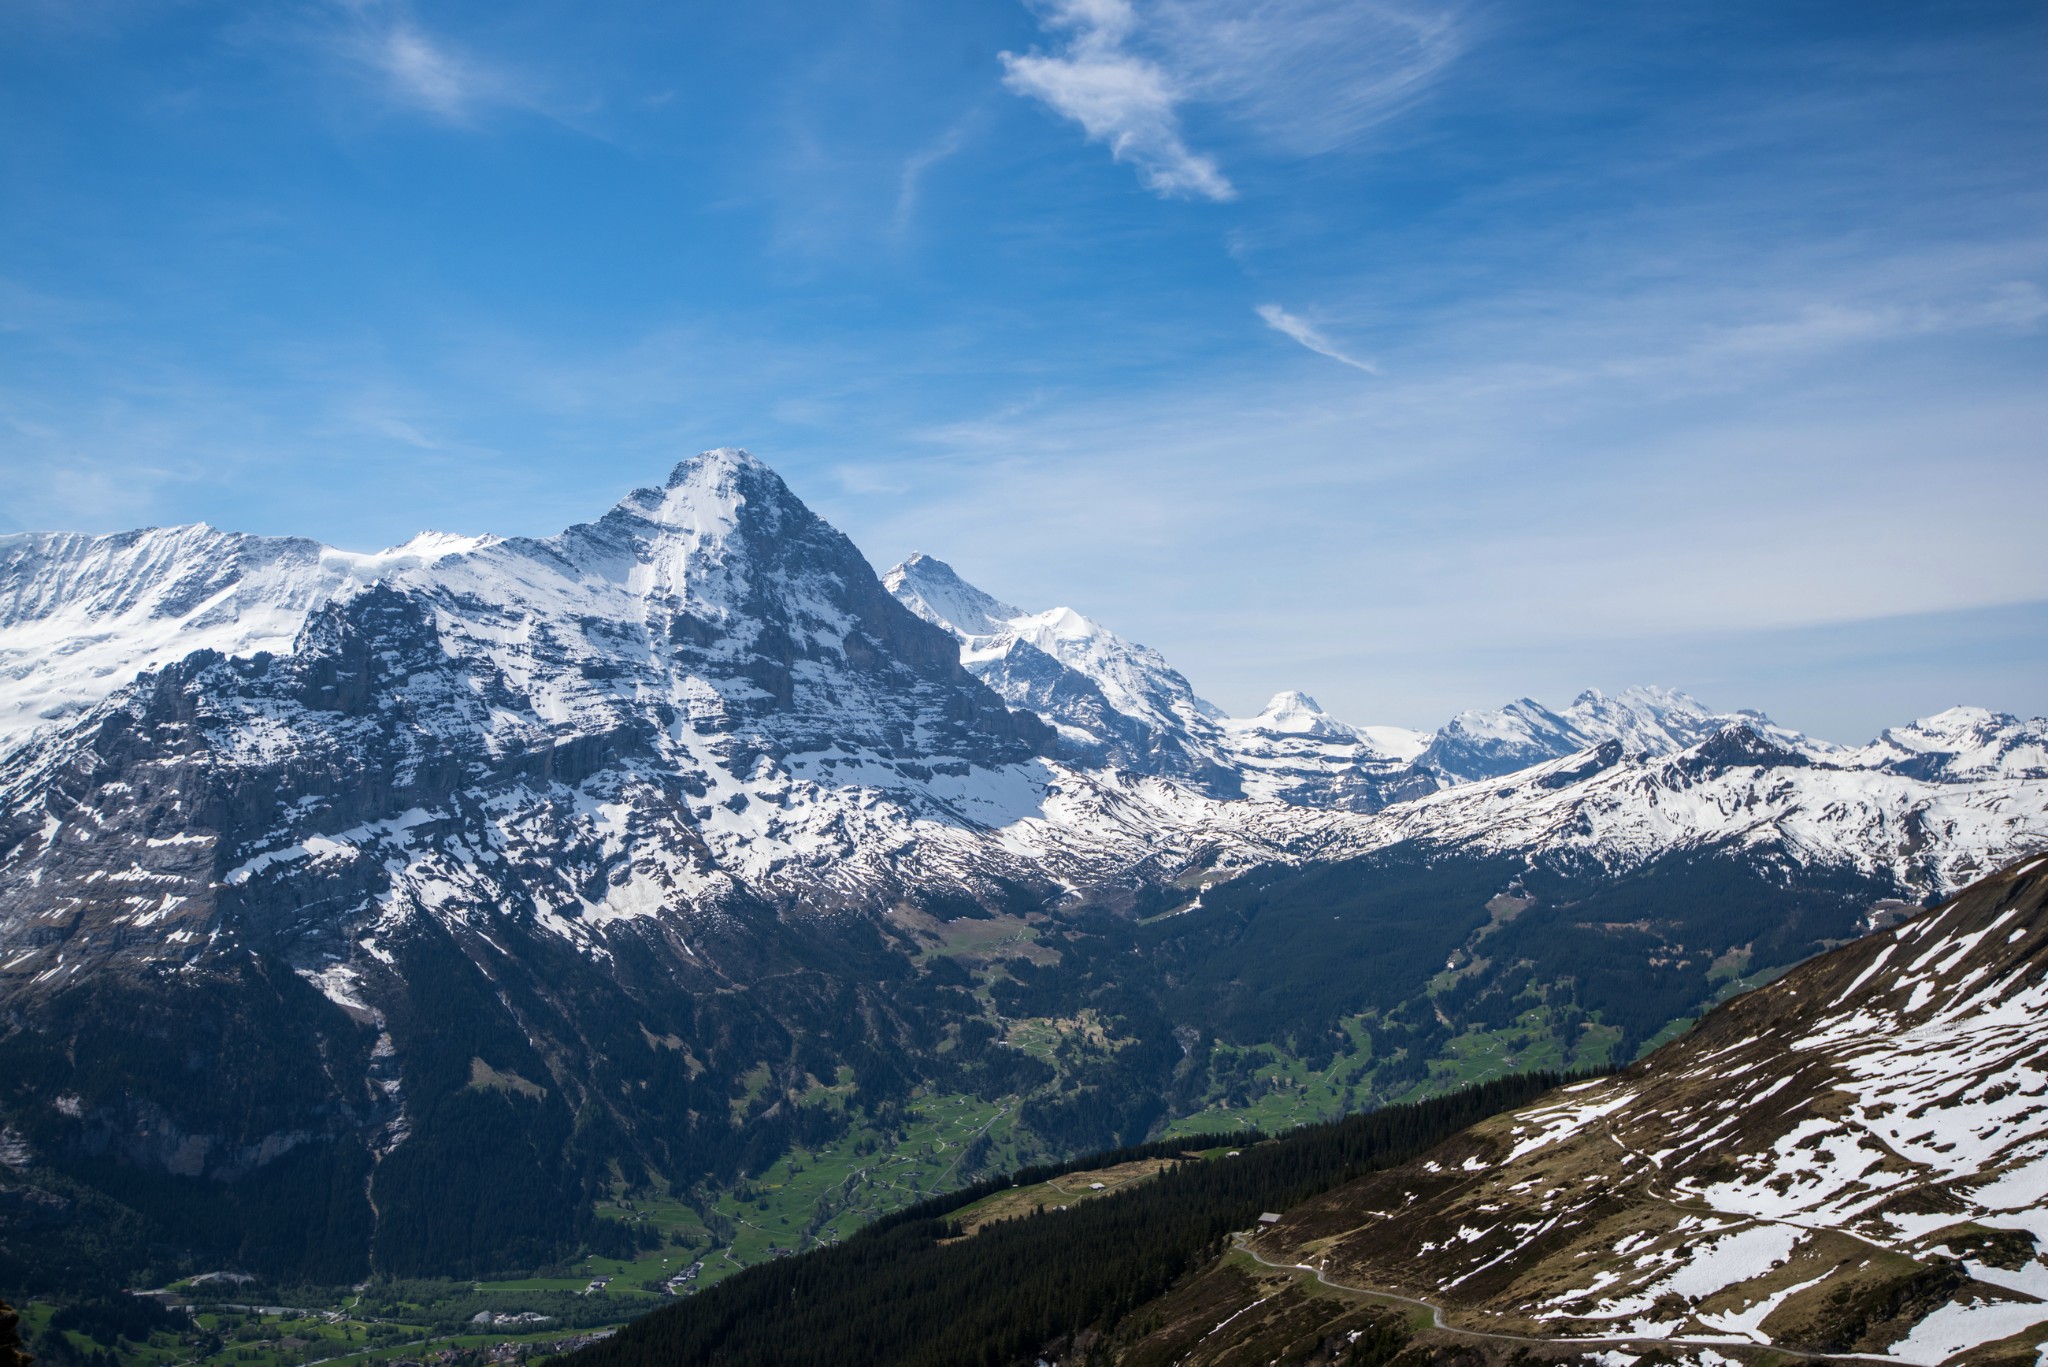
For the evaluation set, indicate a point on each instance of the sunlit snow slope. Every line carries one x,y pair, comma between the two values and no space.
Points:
81,616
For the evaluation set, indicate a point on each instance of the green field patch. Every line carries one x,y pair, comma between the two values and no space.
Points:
1057,1193
1269,1088
973,937
1731,965
812,1197
1048,1038
484,1078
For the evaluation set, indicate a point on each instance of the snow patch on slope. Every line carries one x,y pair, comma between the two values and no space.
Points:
83,616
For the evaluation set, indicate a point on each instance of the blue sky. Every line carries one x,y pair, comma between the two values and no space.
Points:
1416,356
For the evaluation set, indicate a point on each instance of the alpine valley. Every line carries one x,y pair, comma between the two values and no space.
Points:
677,890
1847,1164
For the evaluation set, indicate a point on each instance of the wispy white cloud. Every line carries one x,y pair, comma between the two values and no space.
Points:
1304,332
1306,76
415,69
398,429
1118,97
910,179
423,72
1302,76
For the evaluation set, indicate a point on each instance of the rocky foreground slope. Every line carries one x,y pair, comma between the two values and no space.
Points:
1851,1161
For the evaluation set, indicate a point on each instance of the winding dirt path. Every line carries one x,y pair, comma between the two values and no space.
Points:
1437,1318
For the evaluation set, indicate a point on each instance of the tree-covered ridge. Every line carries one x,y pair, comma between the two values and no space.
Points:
910,1291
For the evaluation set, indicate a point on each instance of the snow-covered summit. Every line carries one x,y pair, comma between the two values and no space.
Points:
1292,713
723,599
427,548
932,589
1483,743
1658,721
1962,742
1293,751
1111,701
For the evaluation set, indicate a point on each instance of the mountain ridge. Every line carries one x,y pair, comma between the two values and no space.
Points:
686,822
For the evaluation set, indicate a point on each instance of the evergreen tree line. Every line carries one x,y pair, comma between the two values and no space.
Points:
899,1293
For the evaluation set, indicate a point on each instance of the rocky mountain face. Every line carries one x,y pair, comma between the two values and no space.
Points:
341,894
82,616
1853,1160
645,714
533,815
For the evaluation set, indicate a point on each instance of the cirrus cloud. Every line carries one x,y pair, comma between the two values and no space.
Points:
1301,77
1118,97
1305,332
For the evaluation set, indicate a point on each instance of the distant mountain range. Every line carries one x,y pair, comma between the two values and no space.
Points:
714,635
665,844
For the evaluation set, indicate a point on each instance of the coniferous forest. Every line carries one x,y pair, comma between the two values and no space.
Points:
909,1290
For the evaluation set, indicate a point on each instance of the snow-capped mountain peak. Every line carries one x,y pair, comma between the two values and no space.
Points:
1645,719
930,588
1658,721
1961,743
705,493
1109,699
1294,713
1293,751
1481,743
427,548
